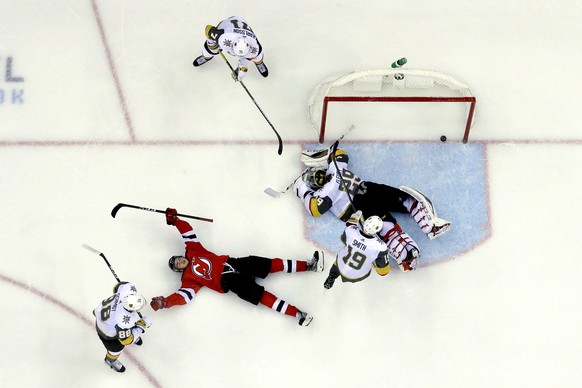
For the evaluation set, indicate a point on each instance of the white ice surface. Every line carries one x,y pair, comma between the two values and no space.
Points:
113,111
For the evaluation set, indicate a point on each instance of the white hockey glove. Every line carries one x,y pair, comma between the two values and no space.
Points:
144,322
239,73
356,217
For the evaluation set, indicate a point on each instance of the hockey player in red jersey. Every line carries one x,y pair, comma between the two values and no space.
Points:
221,273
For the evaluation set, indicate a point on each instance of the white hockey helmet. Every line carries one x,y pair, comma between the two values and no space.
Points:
133,302
372,225
241,47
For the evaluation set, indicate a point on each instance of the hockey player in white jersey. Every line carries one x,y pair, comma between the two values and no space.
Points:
325,187
235,36
119,323
362,250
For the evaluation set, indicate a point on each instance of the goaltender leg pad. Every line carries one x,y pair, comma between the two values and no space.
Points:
420,197
434,226
401,246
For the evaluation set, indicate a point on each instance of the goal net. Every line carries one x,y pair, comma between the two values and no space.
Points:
391,86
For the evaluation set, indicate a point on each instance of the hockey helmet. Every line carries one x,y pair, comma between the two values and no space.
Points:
133,302
241,47
317,178
372,225
172,261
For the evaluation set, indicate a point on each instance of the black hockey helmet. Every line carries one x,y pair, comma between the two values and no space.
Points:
172,261
317,179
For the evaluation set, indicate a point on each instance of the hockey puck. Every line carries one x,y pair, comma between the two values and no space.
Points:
443,138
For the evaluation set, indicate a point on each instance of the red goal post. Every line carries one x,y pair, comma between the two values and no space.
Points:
388,85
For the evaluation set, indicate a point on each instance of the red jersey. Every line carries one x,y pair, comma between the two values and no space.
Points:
205,269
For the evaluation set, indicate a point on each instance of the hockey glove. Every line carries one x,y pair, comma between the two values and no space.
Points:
171,216
356,217
239,73
115,287
158,302
144,322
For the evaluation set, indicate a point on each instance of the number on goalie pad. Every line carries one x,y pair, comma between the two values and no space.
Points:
316,158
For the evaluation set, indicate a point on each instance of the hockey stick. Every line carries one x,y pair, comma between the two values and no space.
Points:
280,150
95,251
120,205
276,194
343,184
352,126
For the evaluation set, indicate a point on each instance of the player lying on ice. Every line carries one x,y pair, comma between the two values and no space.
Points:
323,188
221,273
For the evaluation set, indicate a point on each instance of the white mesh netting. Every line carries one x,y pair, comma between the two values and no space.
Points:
409,85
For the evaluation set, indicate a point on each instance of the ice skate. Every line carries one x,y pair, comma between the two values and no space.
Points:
329,282
201,60
115,365
303,319
262,68
316,262
439,228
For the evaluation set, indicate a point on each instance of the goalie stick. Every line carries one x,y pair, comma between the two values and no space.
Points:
95,251
276,194
120,205
280,150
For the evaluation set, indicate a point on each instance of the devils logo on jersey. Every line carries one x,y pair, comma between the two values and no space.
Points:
202,267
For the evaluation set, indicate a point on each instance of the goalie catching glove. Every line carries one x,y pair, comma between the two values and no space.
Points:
319,159
158,302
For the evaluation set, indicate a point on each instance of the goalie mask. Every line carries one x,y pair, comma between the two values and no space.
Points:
316,179
133,302
241,47
372,225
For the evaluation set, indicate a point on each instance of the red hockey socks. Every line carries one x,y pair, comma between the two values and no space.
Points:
272,302
278,265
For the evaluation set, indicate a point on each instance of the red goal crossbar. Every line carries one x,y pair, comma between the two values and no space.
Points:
328,99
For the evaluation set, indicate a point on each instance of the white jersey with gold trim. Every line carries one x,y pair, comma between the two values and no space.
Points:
356,259
114,321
